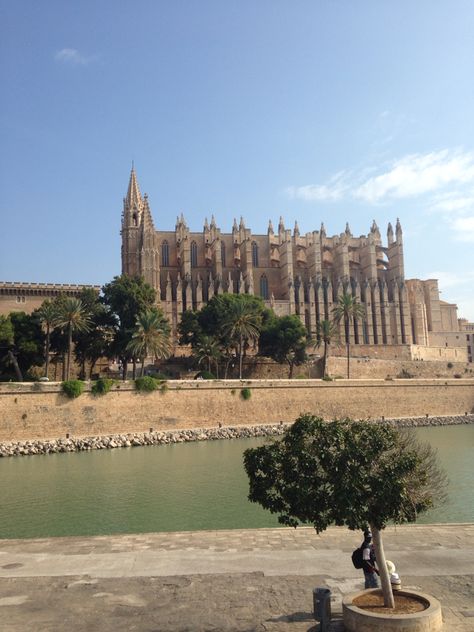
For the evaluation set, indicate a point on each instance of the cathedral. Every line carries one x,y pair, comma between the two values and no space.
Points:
293,273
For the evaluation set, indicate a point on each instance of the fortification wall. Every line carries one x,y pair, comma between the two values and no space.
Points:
369,368
41,411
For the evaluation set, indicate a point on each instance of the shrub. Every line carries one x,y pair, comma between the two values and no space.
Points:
327,378
146,384
158,376
163,387
450,365
72,388
102,386
458,375
405,375
245,393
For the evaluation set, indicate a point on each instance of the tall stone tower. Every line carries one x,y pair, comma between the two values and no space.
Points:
139,239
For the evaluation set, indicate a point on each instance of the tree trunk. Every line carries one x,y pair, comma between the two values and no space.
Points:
124,369
91,368
388,599
240,358
348,342
348,360
143,366
134,368
13,360
290,375
69,352
325,358
46,369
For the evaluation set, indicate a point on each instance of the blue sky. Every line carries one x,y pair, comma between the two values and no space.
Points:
327,111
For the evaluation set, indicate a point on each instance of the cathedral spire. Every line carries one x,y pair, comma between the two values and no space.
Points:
133,198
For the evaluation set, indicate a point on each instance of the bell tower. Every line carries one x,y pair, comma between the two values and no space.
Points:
132,218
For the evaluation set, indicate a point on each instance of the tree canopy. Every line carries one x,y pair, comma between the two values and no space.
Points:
345,473
284,339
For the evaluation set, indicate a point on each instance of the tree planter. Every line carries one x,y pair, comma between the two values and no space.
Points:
359,620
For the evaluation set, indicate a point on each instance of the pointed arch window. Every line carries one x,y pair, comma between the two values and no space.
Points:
223,254
254,254
165,254
194,254
264,287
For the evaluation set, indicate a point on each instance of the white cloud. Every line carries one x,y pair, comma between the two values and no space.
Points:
411,176
72,56
334,189
417,174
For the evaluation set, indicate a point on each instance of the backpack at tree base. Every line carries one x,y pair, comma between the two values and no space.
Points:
357,558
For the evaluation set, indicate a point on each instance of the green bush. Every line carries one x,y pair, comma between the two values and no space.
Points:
162,377
146,384
72,388
102,386
450,365
327,378
163,387
245,393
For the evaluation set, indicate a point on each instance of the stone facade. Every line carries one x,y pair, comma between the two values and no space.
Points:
467,329
26,297
293,273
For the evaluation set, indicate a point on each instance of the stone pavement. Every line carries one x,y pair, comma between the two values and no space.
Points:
230,581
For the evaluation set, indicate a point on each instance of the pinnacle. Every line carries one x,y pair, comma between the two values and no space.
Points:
133,198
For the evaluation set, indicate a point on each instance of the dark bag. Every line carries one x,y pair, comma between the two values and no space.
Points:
357,558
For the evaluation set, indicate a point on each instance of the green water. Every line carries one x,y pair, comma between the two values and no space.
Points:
174,488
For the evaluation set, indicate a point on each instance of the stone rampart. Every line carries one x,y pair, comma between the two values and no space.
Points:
42,411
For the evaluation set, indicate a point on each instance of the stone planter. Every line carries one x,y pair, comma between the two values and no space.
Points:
358,620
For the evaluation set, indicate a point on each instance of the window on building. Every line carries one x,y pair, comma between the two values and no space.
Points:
165,254
254,254
223,254
194,254
264,287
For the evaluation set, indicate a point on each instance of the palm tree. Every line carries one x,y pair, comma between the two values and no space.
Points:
208,350
326,331
151,337
242,325
347,309
47,315
72,317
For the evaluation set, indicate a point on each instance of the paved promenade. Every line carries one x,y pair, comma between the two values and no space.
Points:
230,581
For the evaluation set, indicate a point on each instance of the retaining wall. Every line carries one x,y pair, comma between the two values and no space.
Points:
41,411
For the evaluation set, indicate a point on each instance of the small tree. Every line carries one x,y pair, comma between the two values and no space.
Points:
207,349
72,317
150,337
242,325
284,339
348,309
345,473
325,334
47,315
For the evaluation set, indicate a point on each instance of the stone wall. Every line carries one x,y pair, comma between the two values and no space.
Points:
41,411
368,368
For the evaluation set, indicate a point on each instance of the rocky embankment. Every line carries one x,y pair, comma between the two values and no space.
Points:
108,442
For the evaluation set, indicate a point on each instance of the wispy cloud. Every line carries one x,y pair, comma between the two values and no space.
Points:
418,174
72,56
408,177
335,189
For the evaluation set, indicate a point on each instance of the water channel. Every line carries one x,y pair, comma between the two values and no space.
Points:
176,487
